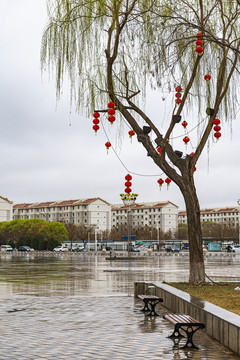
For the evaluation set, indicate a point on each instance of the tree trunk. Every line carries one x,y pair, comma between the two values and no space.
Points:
196,260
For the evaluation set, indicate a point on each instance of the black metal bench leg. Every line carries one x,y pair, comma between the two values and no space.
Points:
176,333
146,307
190,331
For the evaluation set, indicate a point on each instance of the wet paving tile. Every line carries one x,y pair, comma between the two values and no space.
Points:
94,316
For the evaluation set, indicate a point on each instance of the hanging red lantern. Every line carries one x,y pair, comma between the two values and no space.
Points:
184,124
195,169
96,115
160,182
108,145
217,128
178,101
199,42
131,133
111,119
95,121
178,95
207,77
128,177
199,35
128,190
199,50
168,181
159,150
128,184
111,105
217,135
216,121
192,154
111,112
186,139
178,89
95,128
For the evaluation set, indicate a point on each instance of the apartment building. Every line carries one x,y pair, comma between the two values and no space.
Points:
218,215
87,212
6,209
160,215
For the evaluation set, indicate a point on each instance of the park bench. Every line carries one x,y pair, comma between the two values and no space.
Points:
150,302
185,323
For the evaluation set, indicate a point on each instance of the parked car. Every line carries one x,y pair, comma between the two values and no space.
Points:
236,248
171,248
24,248
6,248
135,249
60,249
76,248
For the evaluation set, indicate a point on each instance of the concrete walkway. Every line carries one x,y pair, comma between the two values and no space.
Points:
91,327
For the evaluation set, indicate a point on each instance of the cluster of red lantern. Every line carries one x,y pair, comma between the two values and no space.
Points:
108,145
131,133
161,182
128,183
111,112
178,95
217,128
207,77
96,115
199,43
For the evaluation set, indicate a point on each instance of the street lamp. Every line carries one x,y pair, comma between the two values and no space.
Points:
128,200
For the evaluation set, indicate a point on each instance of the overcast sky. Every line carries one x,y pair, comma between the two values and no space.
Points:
48,153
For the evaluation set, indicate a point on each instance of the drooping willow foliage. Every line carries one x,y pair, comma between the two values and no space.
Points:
156,44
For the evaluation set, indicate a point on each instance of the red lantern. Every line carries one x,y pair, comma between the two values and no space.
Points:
178,101
128,190
168,181
160,182
128,177
131,133
178,89
128,184
217,135
207,77
111,105
178,95
108,145
184,124
192,154
96,115
111,112
95,121
216,121
199,42
95,128
199,35
186,139
111,119
195,169
199,50
217,128
159,150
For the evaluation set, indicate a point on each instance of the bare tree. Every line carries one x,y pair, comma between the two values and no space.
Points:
111,49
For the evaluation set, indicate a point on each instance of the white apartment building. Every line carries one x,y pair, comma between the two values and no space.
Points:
6,209
160,215
218,215
87,212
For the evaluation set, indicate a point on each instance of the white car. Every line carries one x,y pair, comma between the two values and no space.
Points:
236,248
60,249
6,248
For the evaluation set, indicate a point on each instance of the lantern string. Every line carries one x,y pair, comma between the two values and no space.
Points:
125,167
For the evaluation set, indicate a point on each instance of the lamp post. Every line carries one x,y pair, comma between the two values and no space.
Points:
158,238
129,200
238,222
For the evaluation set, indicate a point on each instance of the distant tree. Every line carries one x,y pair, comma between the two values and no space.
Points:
112,48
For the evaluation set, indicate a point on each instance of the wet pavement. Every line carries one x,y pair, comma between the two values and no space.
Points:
76,306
